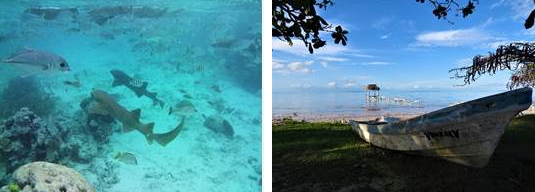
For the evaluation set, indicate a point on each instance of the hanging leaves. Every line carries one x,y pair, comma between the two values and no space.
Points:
469,9
440,12
530,20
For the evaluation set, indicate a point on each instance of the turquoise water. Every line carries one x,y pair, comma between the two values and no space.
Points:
207,52
354,103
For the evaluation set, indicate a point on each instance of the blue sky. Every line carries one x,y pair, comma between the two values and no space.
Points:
401,45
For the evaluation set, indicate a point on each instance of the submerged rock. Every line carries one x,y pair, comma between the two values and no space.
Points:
218,124
44,176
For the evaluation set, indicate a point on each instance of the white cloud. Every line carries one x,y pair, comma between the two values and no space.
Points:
331,84
496,44
277,65
463,62
530,31
323,63
350,84
346,26
280,66
301,85
520,8
377,63
382,23
299,48
408,25
453,38
300,66
386,36
497,4
326,58
330,50
361,55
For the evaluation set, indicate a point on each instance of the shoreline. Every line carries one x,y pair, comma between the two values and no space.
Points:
344,118
339,118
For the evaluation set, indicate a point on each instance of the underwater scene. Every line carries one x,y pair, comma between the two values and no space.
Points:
161,95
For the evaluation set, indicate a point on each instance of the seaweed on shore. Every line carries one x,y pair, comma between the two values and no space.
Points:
26,92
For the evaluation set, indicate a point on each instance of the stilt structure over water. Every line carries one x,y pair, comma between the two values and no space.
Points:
372,91
372,97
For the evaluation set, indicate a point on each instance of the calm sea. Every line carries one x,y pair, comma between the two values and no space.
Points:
351,102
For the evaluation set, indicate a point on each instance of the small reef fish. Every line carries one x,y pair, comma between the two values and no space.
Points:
184,107
33,61
126,157
105,104
138,87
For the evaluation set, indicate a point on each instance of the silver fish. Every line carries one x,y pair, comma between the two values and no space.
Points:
38,61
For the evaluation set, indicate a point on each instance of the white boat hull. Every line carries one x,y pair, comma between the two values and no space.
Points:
466,133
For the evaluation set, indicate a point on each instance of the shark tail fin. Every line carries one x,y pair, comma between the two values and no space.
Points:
165,138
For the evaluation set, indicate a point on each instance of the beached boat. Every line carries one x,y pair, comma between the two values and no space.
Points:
465,133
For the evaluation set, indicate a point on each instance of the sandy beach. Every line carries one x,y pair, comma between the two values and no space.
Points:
345,117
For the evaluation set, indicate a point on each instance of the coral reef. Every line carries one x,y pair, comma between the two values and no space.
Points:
25,138
44,176
26,92
98,126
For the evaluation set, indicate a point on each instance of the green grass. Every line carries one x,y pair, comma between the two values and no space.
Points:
330,157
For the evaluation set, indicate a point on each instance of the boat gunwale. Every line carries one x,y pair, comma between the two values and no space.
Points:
416,123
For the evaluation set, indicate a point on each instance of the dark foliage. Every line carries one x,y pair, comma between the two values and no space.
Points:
26,92
297,19
517,57
442,7
530,20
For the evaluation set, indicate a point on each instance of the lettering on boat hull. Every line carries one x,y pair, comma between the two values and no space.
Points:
449,133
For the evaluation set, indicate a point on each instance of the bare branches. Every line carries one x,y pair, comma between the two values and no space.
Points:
517,57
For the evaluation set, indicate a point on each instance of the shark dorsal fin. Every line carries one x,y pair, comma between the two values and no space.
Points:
140,91
144,86
135,113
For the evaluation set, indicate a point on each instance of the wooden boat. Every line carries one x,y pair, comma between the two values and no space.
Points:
465,133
